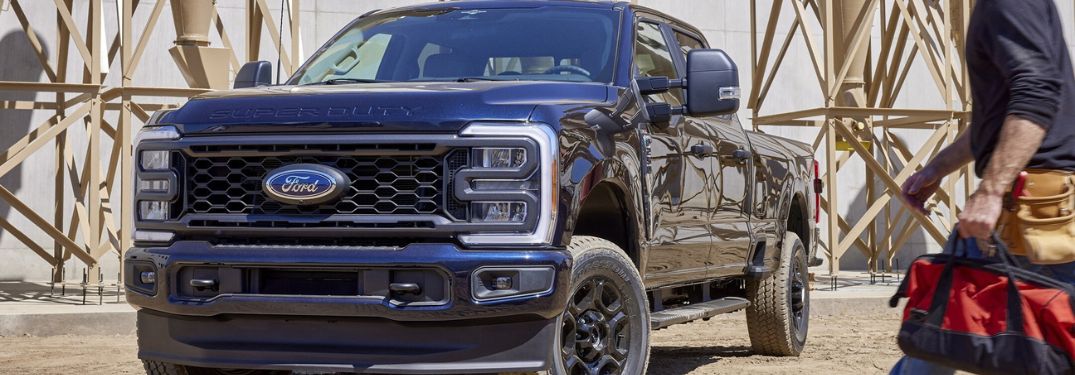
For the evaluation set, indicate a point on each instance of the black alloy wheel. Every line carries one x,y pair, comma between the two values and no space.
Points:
604,329
595,335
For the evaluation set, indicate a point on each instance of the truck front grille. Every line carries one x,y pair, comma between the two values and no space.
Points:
380,185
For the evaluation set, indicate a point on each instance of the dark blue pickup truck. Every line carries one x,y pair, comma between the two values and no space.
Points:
469,187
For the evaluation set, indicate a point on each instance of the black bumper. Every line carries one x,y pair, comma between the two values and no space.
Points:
348,333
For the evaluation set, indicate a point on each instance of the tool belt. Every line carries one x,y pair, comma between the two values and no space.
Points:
1040,224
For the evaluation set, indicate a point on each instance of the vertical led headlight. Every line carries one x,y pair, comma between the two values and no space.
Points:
155,182
511,184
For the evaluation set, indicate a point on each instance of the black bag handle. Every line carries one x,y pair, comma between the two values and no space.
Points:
1015,318
939,304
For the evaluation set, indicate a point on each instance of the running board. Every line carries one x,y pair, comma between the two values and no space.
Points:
704,310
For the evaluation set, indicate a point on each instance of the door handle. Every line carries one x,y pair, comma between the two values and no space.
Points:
701,150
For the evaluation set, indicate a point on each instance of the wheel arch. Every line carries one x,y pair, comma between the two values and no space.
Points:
606,212
797,219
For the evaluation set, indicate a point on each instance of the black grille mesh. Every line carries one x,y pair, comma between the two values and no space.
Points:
387,185
454,162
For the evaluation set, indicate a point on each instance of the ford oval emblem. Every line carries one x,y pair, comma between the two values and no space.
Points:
305,184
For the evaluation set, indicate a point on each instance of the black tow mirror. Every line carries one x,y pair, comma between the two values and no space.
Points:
713,83
254,74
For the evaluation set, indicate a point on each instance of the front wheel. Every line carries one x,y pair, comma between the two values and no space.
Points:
779,314
605,327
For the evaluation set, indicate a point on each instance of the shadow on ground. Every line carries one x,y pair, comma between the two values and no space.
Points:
682,360
70,294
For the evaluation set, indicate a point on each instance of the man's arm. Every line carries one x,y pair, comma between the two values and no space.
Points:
1019,140
920,186
1022,50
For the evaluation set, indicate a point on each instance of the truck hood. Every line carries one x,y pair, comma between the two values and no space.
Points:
375,107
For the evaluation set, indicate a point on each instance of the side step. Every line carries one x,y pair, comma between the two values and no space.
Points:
704,310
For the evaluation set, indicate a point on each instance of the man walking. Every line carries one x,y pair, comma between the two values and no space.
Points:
1023,119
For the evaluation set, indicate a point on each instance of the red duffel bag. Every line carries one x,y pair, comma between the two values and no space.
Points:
986,316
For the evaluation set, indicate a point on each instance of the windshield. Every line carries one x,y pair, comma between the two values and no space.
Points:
551,44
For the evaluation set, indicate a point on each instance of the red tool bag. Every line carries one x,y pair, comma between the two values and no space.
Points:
986,316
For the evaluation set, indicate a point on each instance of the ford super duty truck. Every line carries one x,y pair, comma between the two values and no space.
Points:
469,187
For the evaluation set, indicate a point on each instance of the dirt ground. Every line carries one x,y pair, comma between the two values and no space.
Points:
837,345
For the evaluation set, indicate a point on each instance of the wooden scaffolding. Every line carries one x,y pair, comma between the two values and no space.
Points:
860,76
101,182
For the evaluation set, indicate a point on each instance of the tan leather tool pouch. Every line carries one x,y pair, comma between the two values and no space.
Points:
1044,230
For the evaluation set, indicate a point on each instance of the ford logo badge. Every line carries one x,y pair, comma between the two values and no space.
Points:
305,184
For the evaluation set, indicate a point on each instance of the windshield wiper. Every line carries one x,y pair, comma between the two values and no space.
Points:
482,79
341,81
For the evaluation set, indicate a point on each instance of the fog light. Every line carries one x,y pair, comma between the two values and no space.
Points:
492,283
502,157
153,210
156,160
153,186
148,277
503,283
501,212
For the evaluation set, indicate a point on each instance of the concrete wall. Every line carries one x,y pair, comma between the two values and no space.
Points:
725,22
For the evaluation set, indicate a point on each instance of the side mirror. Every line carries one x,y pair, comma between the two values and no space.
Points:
713,83
254,74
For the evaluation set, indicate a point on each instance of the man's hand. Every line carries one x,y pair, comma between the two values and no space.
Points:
980,215
919,187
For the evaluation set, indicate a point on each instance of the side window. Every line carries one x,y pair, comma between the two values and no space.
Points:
688,43
653,58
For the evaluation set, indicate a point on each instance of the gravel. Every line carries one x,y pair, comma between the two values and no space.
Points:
838,344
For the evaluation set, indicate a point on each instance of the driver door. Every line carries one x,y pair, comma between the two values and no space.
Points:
679,247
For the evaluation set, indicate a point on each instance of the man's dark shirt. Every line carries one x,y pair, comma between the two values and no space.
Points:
1019,65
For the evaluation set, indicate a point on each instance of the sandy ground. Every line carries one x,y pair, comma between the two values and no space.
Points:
837,345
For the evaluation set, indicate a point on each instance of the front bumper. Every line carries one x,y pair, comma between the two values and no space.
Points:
348,333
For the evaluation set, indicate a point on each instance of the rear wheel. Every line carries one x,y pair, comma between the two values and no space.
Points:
605,327
779,314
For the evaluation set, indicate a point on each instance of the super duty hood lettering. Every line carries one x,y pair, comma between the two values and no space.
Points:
404,106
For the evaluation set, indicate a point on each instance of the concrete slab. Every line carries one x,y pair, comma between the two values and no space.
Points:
36,309
855,293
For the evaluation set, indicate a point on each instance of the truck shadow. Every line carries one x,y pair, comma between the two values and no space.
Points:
682,360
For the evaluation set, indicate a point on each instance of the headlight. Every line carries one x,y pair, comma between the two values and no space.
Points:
156,160
156,183
511,186
501,212
153,210
161,186
153,133
502,157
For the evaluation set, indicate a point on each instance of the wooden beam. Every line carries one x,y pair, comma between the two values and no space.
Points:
131,65
35,43
76,36
45,226
872,164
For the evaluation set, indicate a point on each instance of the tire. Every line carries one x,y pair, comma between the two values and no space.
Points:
165,368
605,326
778,318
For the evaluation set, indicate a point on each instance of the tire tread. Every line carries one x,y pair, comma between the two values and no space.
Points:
583,248
768,320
